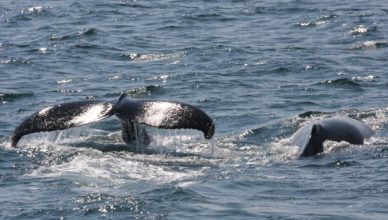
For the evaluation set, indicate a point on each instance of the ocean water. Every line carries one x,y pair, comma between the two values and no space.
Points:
260,69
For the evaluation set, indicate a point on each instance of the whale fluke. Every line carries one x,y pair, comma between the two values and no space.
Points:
310,138
164,114
160,114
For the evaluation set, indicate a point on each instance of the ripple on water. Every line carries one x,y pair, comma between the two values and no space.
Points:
139,207
332,164
138,92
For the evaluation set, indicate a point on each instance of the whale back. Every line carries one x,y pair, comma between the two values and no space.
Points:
310,138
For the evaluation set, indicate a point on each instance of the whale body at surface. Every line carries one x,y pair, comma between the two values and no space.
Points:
310,137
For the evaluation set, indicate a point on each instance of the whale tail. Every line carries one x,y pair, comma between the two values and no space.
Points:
310,138
160,114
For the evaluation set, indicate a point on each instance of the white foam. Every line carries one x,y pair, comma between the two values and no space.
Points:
365,78
64,81
107,171
359,29
90,168
35,9
43,50
156,57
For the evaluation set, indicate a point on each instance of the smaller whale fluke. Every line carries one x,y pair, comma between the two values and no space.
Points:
310,138
160,114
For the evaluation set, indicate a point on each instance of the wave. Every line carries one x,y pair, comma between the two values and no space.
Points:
361,29
341,82
367,78
332,164
16,61
321,21
370,44
310,114
129,4
36,10
201,17
147,90
141,58
10,97
26,14
80,34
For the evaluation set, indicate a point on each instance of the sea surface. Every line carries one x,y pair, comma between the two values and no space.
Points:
260,69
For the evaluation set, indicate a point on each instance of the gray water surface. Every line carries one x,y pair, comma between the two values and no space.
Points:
260,69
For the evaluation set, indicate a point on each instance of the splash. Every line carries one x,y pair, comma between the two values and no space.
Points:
36,10
358,30
319,22
365,78
92,169
211,144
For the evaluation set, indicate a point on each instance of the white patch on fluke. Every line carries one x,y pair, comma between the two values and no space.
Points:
90,114
157,113
44,111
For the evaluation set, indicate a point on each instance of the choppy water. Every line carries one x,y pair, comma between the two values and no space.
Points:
260,69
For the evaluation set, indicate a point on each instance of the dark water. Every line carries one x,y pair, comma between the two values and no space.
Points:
260,69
